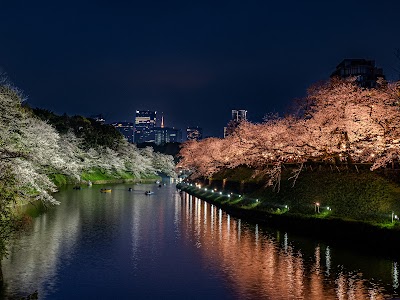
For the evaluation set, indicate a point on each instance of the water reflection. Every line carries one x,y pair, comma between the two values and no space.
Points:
263,264
126,245
42,249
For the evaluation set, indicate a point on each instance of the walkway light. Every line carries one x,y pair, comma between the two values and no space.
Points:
220,193
394,217
317,207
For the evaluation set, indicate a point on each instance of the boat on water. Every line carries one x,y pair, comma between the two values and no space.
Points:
148,193
105,190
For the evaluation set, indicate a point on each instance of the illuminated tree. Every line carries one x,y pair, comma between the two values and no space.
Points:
337,123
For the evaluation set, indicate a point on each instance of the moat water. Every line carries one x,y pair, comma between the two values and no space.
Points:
127,245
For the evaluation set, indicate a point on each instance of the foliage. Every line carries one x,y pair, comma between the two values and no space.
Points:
39,149
92,133
337,123
364,195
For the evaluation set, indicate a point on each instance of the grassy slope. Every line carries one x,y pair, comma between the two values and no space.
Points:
361,205
100,176
365,196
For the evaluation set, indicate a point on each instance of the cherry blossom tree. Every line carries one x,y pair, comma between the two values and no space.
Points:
338,122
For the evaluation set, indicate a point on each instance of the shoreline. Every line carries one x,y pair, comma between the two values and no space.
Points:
128,180
338,231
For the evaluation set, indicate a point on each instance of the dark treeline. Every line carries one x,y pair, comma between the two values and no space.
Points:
93,133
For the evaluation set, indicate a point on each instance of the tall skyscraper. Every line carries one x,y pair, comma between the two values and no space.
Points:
194,133
163,135
238,115
145,121
364,70
126,129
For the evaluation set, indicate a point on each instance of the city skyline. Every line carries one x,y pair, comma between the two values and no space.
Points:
194,62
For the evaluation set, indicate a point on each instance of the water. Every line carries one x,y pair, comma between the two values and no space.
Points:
125,245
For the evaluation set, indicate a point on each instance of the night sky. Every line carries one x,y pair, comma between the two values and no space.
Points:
192,60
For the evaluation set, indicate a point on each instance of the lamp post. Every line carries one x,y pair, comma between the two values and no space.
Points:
317,207
394,217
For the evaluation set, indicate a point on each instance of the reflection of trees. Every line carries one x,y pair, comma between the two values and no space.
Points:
36,254
263,265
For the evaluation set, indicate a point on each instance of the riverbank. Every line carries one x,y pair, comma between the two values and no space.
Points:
26,210
98,176
297,209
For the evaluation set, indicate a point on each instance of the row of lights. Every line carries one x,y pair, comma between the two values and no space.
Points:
317,204
228,195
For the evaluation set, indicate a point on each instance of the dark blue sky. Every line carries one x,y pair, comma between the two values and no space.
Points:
194,61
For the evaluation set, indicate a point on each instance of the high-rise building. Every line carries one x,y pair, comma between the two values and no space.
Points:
126,129
238,115
364,70
165,135
145,121
194,133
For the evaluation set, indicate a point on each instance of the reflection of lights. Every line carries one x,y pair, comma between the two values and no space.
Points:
256,233
239,228
341,286
317,254
285,241
273,264
228,222
205,213
328,260
395,275
220,221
